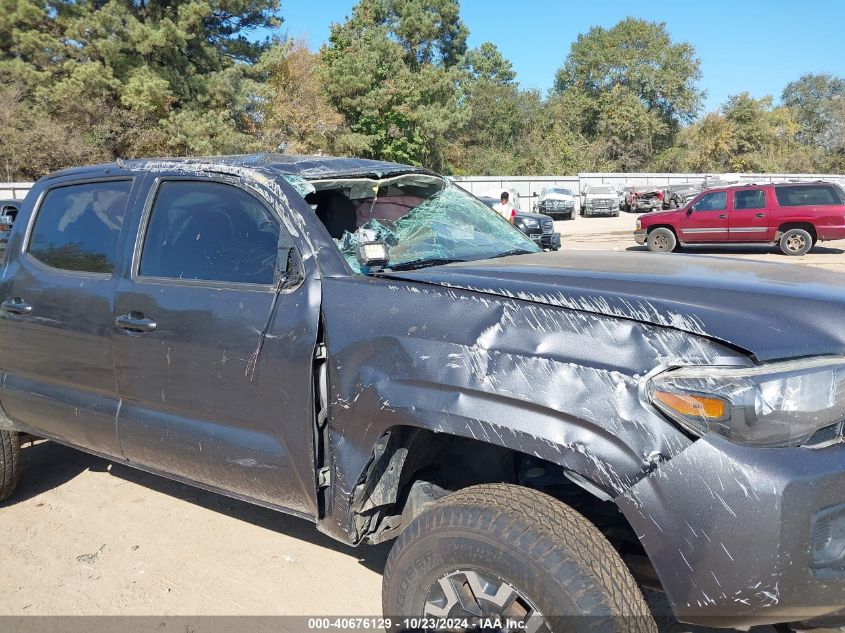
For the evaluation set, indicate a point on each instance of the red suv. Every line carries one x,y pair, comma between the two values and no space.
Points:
794,216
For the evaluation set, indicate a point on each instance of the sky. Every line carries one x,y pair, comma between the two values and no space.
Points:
744,45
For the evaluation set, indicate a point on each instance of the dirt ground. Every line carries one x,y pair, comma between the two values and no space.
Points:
86,537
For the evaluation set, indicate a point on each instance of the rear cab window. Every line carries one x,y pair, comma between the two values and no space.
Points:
77,226
209,231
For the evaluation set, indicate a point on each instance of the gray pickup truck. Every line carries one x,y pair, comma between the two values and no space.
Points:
366,346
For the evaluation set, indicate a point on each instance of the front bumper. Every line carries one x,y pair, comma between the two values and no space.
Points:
611,210
548,241
640,236
557,212
733,533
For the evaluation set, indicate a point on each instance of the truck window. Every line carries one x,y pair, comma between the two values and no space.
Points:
209,231
806,195
716,201
750,199
77,226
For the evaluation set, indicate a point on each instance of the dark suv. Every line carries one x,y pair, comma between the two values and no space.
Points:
364,345
794,216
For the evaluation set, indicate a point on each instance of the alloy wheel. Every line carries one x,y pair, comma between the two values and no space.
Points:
796,243
480,598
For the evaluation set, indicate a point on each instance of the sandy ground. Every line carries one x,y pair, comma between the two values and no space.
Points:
86,537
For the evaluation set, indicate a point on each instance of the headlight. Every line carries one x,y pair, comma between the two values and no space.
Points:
530,222
778,404
639,224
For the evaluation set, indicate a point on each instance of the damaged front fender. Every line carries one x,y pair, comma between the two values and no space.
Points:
558,384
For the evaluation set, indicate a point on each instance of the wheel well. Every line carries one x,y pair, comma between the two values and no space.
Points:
412,468
662,226
807,226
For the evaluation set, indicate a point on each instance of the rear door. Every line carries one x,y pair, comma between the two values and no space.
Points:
56,353
214,349
749,216
706,220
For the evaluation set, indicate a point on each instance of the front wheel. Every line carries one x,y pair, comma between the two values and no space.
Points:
507,553
10,463
661,240
796,242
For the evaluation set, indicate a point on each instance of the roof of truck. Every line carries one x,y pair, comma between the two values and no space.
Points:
308,167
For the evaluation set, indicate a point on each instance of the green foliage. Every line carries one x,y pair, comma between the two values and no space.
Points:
816,103
487,63
120,78
633,87
748,135
639,56
88,80
390,69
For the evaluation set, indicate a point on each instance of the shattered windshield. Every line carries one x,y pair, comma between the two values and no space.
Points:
421,218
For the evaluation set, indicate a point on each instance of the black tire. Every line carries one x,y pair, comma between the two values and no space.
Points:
546,556
10,463
661,240
796,242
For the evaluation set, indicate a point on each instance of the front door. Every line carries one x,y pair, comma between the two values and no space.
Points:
749,216
213,352
56,352
706,220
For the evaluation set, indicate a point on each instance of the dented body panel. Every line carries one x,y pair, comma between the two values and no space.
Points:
302,396
729,530
562,385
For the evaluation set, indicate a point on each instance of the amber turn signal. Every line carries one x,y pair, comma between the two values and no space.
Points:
692,405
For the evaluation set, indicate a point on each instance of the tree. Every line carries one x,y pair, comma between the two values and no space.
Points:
635,89
747,135
486,63
391,70
815,101
295,113
133,78
639,56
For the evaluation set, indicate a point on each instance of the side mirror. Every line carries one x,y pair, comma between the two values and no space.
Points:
290,271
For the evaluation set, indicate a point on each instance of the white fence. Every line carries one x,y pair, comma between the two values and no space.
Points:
528,187
14,190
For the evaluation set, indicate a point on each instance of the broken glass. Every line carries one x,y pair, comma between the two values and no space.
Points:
450,225
302,186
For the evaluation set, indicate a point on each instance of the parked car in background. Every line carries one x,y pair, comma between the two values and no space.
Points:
644,199
537,226
8,212
599,200
557,202
676,196
367,347
794,216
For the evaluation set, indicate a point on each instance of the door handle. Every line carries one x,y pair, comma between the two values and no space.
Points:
135,322
723,216
760,215
16,305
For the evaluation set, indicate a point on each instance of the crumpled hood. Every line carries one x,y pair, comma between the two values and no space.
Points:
771,311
